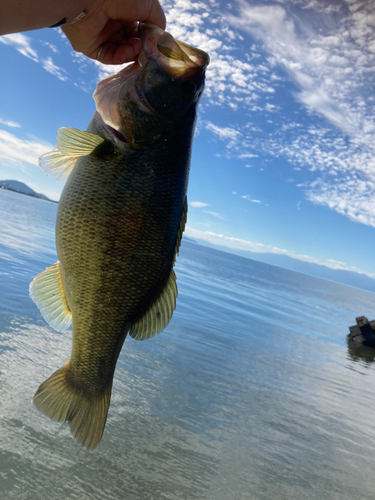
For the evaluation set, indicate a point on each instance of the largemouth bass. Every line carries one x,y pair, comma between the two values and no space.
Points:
119,224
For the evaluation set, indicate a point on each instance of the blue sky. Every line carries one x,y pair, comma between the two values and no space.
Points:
283,158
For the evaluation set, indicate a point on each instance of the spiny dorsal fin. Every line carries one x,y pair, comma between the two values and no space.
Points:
159,314
62,401
48,293
73,142
57,165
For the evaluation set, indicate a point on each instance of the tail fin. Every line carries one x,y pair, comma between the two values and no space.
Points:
87,415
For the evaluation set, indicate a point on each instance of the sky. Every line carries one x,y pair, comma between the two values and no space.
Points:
283,157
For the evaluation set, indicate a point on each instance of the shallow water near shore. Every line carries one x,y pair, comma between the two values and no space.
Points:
251,392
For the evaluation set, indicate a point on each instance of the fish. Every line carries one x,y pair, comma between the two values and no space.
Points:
119,224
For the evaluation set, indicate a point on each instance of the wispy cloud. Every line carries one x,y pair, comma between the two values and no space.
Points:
9,123
22,43
214,214
249,198
49,66
51,46
328,65
327,49
15,151
331,63
223,132
256,247
342,172
198,204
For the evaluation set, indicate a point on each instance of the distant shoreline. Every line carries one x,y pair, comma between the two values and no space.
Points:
28,194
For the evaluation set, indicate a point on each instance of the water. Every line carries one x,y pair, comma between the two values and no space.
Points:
252,391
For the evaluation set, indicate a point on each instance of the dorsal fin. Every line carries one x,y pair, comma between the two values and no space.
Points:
47,291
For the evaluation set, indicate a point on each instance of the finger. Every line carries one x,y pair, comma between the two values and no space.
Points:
156,15
119,54
131,30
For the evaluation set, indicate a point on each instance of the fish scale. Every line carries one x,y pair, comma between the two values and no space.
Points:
125,222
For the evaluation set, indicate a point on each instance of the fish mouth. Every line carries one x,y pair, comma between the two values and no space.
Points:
174,58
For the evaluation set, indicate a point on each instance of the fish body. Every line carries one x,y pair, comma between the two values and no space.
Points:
119,224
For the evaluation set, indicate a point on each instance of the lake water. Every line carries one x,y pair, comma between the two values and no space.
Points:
251,392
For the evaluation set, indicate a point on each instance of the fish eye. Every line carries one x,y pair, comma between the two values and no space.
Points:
189,89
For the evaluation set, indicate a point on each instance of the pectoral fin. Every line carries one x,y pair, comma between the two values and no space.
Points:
47,291
159,314
71,144
57,165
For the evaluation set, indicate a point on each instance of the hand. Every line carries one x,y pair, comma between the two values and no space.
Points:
113,23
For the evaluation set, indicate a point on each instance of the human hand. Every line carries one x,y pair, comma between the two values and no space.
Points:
108,31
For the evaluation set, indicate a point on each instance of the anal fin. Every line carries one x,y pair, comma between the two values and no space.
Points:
159,314
47,291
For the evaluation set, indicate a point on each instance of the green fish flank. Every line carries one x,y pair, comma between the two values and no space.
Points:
119,224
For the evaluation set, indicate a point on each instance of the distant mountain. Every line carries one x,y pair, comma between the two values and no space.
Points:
20,187
349,278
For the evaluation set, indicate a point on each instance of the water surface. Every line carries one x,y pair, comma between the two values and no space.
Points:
251,392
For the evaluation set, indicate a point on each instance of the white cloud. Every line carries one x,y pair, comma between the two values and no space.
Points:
248,155
9,123
51,46
223,132
198,204
21,43
49,66
328,65
214,214
256,247
343,172
332,64
232,79
14,150
249,198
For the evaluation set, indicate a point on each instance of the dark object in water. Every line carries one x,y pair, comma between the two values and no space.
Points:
363,332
